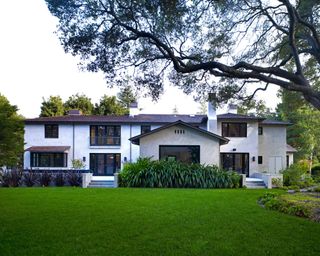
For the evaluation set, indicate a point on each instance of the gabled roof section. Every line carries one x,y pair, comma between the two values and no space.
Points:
136,139
232,116
291,149
141,118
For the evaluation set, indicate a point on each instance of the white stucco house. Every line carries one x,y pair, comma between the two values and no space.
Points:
245,144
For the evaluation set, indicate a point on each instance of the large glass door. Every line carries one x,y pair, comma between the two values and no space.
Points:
105,164
238,162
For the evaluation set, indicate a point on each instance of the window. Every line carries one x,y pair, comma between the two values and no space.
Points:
287,160
260,130
105,135
238,162
234,129
49,159
184,154
105,164
145,129
260,159
51,131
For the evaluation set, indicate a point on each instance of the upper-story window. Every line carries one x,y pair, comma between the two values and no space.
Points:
145,129
105,135
51,131
234,129
260,130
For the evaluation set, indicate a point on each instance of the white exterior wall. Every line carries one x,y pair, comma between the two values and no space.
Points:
247,144
272,147
34,136
80,147
209,147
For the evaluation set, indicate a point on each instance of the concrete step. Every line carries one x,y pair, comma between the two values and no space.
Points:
101,184
256,184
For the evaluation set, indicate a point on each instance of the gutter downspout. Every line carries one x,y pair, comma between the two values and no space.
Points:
130,143
73,142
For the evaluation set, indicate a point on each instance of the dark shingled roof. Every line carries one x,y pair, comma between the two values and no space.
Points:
136,139
291,149
141,118
239,117
274,122
48,149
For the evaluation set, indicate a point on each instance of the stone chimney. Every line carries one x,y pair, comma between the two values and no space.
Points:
212,117
232,109
133,109
74,112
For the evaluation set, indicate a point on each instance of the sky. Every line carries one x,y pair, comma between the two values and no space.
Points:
33,66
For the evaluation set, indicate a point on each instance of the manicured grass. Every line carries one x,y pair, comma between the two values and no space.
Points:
74,221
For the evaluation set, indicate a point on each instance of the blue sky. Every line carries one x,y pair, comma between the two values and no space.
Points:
33,65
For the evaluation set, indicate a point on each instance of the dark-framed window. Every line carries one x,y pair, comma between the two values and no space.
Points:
260,130
105,164
145,129
105,135
287,160
185,154
238,162
51,131
260,159
49,159
234,129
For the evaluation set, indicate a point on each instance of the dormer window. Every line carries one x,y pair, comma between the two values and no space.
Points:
234,129
51,131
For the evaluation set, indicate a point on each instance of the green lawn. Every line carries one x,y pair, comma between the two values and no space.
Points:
74,221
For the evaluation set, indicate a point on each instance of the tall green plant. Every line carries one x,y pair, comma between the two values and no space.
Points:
173,174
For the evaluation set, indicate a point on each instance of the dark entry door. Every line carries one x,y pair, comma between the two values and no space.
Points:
238,162
105,164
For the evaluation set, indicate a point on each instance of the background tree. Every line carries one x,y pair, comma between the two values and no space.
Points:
241,43
11,134
257,107
202,107
304,133
175,110
126,96
109,105
52,106
80,102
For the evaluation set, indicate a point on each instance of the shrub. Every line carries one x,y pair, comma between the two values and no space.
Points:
11,178
74,179
78,164
173,174
277,202
45,179
59,180
30,178
315,170
277,182
294,174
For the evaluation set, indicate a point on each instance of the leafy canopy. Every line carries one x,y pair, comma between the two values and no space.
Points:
203,46
11,134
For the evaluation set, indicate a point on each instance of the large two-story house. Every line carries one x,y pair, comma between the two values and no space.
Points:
246,144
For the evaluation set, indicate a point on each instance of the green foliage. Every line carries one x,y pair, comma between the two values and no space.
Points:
11,134
109,105
184,40
257,106
52,107
277,182
173,174
279,203
296,173
315,170
77,164
127,96
80,102
304,133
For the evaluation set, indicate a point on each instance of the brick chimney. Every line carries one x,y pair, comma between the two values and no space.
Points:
133,109
74,112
